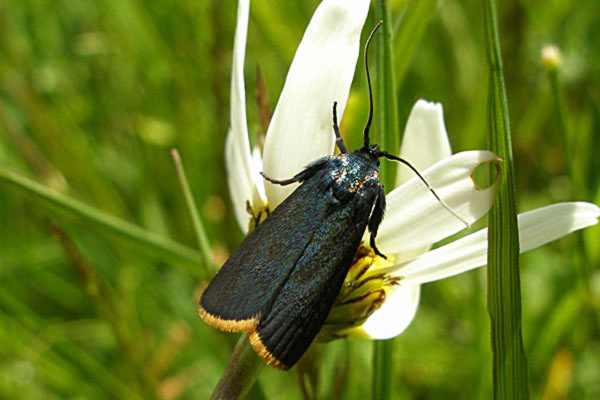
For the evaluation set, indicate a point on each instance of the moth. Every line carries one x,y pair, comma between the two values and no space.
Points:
282,281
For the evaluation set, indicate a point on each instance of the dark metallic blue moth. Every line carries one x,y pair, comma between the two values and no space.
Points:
281,283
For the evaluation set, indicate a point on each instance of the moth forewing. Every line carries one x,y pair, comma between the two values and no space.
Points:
290,285
250,279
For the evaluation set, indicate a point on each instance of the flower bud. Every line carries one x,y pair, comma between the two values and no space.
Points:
551,57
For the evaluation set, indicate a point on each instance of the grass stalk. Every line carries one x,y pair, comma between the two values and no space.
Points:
203,243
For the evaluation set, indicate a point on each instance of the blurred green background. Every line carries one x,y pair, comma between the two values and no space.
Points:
93,94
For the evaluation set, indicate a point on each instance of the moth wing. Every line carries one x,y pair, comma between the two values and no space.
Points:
251,278
288,328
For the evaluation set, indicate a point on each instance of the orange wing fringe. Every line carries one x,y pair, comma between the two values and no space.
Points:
263,352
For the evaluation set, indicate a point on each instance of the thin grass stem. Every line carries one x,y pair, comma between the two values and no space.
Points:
203,243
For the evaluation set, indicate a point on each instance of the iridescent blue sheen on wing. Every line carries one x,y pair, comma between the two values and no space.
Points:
249,280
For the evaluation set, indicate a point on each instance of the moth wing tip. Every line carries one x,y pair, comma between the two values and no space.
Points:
261,350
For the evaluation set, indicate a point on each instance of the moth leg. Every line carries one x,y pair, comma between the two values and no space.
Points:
339,141
282,182
249,209
301,176
375,220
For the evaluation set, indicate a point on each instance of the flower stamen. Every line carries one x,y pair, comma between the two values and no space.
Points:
256,216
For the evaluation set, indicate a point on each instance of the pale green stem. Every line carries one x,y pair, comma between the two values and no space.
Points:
201,236
382,369
560,116
504,286
101,219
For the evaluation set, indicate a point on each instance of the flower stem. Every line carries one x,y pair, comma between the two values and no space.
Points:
504,286
389,140
382,369
201,236
560,116
101,219
241,373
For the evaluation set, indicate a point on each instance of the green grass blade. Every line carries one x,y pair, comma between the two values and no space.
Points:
385,92
409,32
504,286
30,329
101,219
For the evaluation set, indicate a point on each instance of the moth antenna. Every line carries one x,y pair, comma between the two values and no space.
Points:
370,119
339,141
409,165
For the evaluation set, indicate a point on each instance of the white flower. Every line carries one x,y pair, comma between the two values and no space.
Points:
301,131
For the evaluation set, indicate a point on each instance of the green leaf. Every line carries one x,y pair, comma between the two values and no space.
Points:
504,286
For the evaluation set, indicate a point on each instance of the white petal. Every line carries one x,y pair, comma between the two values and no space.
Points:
536,228
259,196
321,73
240,187
414,217
425,140
237,146
395,314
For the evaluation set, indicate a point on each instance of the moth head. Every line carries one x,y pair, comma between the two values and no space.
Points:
374,153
